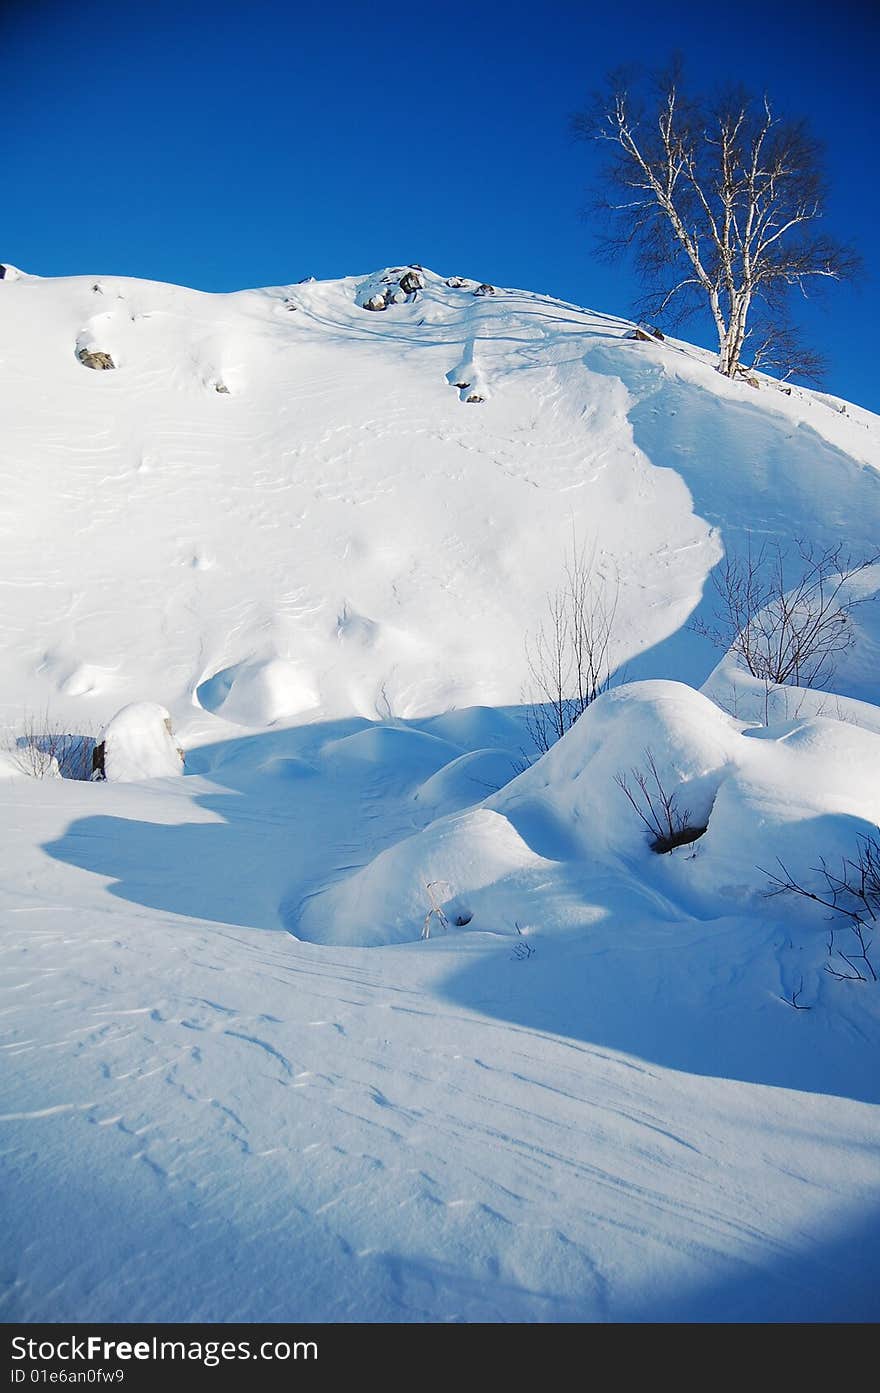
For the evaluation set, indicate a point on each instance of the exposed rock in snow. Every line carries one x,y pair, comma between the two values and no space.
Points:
485,289
95,359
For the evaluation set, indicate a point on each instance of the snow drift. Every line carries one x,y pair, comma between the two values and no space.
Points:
757,797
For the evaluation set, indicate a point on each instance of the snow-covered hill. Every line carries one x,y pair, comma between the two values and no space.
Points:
338,532
237,1084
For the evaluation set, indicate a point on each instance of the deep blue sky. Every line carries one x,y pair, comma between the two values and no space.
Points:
224,145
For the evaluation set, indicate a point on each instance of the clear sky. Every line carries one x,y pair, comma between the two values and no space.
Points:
225,145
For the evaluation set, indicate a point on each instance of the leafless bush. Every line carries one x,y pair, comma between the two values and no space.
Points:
852,898
669,825
785,627
43,749
569,657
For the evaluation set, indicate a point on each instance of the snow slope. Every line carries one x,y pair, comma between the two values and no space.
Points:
236,1083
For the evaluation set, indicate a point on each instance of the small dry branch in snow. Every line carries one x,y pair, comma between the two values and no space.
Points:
852,897
669,825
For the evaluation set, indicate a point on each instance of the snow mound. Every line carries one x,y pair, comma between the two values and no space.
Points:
690,740
751,700
801,794
412,751
138,744
476,728
389,900
258,693
469,779
790,795
795,793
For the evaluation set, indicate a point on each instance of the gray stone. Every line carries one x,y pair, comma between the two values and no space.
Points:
94,359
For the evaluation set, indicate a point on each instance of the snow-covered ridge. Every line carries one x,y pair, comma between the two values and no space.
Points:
315,506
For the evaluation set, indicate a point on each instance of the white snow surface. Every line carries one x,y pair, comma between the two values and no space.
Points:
237,1083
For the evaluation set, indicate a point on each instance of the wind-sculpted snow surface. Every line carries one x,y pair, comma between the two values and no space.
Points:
792,794
277,504
374,1015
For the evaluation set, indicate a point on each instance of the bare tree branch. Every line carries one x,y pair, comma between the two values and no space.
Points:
785,616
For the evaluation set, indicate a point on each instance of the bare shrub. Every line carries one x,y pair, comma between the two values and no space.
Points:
668,824
569,657
787,618
43,749
852,898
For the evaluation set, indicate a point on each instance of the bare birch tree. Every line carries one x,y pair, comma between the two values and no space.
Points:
720,202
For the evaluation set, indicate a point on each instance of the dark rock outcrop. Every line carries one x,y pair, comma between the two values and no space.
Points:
90,358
